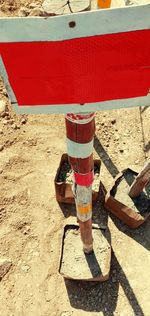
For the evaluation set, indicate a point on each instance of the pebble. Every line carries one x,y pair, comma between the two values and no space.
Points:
5,122
26,230
23,12
11,121
36,12
5,92
117,137
25,268
14,126
5,265
2,106
1,131
137,162
23,121
32,5
1,147
113,121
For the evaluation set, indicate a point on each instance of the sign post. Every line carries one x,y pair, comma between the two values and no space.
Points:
77,64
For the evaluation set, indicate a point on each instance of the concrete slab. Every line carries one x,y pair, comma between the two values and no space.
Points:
79,266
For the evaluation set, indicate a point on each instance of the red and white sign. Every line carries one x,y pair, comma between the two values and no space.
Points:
77,63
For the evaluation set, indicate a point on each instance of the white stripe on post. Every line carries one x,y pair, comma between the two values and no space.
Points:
79,150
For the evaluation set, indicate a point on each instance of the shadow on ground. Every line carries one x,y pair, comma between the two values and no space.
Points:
102,297
105,158
140,234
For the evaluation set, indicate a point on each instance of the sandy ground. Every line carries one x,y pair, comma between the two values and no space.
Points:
31,221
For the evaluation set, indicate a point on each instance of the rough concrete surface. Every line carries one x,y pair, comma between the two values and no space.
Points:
79,266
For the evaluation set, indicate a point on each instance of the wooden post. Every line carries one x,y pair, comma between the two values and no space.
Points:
141,181
80,130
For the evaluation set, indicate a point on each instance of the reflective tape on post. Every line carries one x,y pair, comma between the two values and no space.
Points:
103,4
84,179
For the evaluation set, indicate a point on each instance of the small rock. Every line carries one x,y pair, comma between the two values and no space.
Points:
23,12
5,265
36,12
1,170
11,121
5,92
5,122
49,151
33,5
121,150
25,268
1,131
2,106
113,121
137,162
26,230
23,120
117,137
1,147
14,126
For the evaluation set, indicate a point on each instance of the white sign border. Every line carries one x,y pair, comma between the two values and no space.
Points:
99,22
92,23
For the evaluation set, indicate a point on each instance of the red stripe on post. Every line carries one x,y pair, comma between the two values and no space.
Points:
82,165
84,179
80,133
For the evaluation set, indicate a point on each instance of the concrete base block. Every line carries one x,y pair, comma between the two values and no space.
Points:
76,265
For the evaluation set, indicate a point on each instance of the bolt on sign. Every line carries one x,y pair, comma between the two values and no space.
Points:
79,62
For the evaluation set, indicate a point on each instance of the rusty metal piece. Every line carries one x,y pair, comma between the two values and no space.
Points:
126,214
63,190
